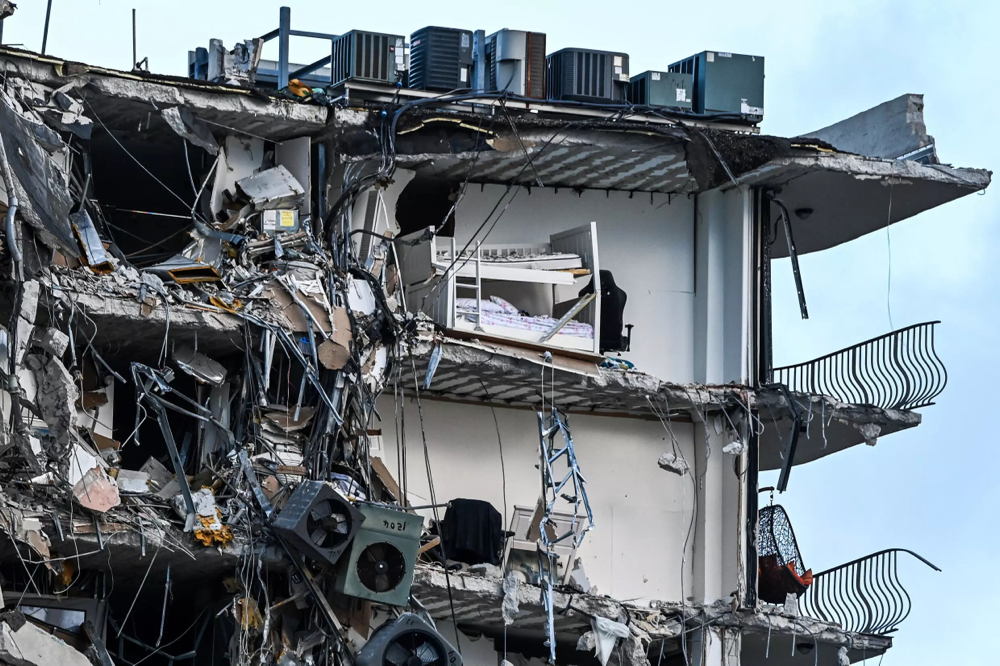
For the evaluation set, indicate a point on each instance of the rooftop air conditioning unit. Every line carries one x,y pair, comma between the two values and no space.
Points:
584,75
367,56
379,565
726,83
440,59
665,89
515,61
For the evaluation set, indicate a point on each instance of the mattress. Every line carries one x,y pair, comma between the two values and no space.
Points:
559,261
540,324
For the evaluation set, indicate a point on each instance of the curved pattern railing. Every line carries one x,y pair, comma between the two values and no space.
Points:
898,370
863,596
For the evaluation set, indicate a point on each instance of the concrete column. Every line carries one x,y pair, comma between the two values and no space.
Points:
714,647
723,266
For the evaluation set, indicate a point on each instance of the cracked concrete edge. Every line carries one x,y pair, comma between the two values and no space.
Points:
670,621
194,95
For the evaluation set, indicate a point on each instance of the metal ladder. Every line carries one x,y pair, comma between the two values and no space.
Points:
477,286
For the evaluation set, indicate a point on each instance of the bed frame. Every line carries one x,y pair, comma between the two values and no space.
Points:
432,285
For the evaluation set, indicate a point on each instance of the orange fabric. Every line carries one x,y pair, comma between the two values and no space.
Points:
806,579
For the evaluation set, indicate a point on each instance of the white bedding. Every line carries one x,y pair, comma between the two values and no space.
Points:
541,324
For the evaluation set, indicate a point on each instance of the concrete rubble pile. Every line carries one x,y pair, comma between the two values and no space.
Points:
191,495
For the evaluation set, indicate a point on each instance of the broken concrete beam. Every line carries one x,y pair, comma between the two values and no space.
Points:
56,395
132,482
890,130
25,644
52,340
191,128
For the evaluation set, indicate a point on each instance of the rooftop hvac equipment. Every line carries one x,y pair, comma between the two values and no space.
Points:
379,565
408,640
666,89
440,59
318,522
726,83
515,61
585,75
367,56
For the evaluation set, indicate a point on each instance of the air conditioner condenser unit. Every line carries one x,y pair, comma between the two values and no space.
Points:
726,83
367,56
440,59
515,62
379,565
585,75
664,89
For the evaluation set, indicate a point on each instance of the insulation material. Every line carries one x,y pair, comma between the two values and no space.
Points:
97,491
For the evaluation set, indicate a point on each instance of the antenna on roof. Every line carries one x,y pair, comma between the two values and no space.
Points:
45,31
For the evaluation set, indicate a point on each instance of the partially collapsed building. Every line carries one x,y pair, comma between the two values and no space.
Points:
368,375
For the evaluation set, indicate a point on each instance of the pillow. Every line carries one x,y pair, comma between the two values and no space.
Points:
505,306
469,305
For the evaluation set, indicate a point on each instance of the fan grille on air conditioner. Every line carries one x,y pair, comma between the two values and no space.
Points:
381,567
327,524
414,648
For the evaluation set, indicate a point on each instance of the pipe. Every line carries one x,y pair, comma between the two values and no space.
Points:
12,204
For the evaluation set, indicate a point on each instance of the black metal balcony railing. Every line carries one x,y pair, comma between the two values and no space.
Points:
899,370
863,596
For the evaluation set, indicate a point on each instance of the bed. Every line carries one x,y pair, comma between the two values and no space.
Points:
455,287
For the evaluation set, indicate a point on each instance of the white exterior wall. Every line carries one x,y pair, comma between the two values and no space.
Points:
686,276
641,512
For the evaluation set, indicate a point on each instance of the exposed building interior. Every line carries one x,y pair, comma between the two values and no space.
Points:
303,366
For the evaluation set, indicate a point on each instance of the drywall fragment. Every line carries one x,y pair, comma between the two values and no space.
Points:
52,340
159,475
94,255
673,463
273,189
23,643
587,642
56,395
843,658
190,128
336,352
360,297
199,366
736,448
511,607
208,527
578,577
26,319
132,482
97,491
607,633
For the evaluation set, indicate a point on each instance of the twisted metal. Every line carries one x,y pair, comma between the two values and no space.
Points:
898,370
863,596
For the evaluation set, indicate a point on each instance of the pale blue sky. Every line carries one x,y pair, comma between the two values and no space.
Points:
932,489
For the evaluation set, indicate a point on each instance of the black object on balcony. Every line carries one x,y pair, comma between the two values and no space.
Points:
863,596
899,370
781,570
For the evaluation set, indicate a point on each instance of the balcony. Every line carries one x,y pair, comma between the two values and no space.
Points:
898,371
852,396
864,596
